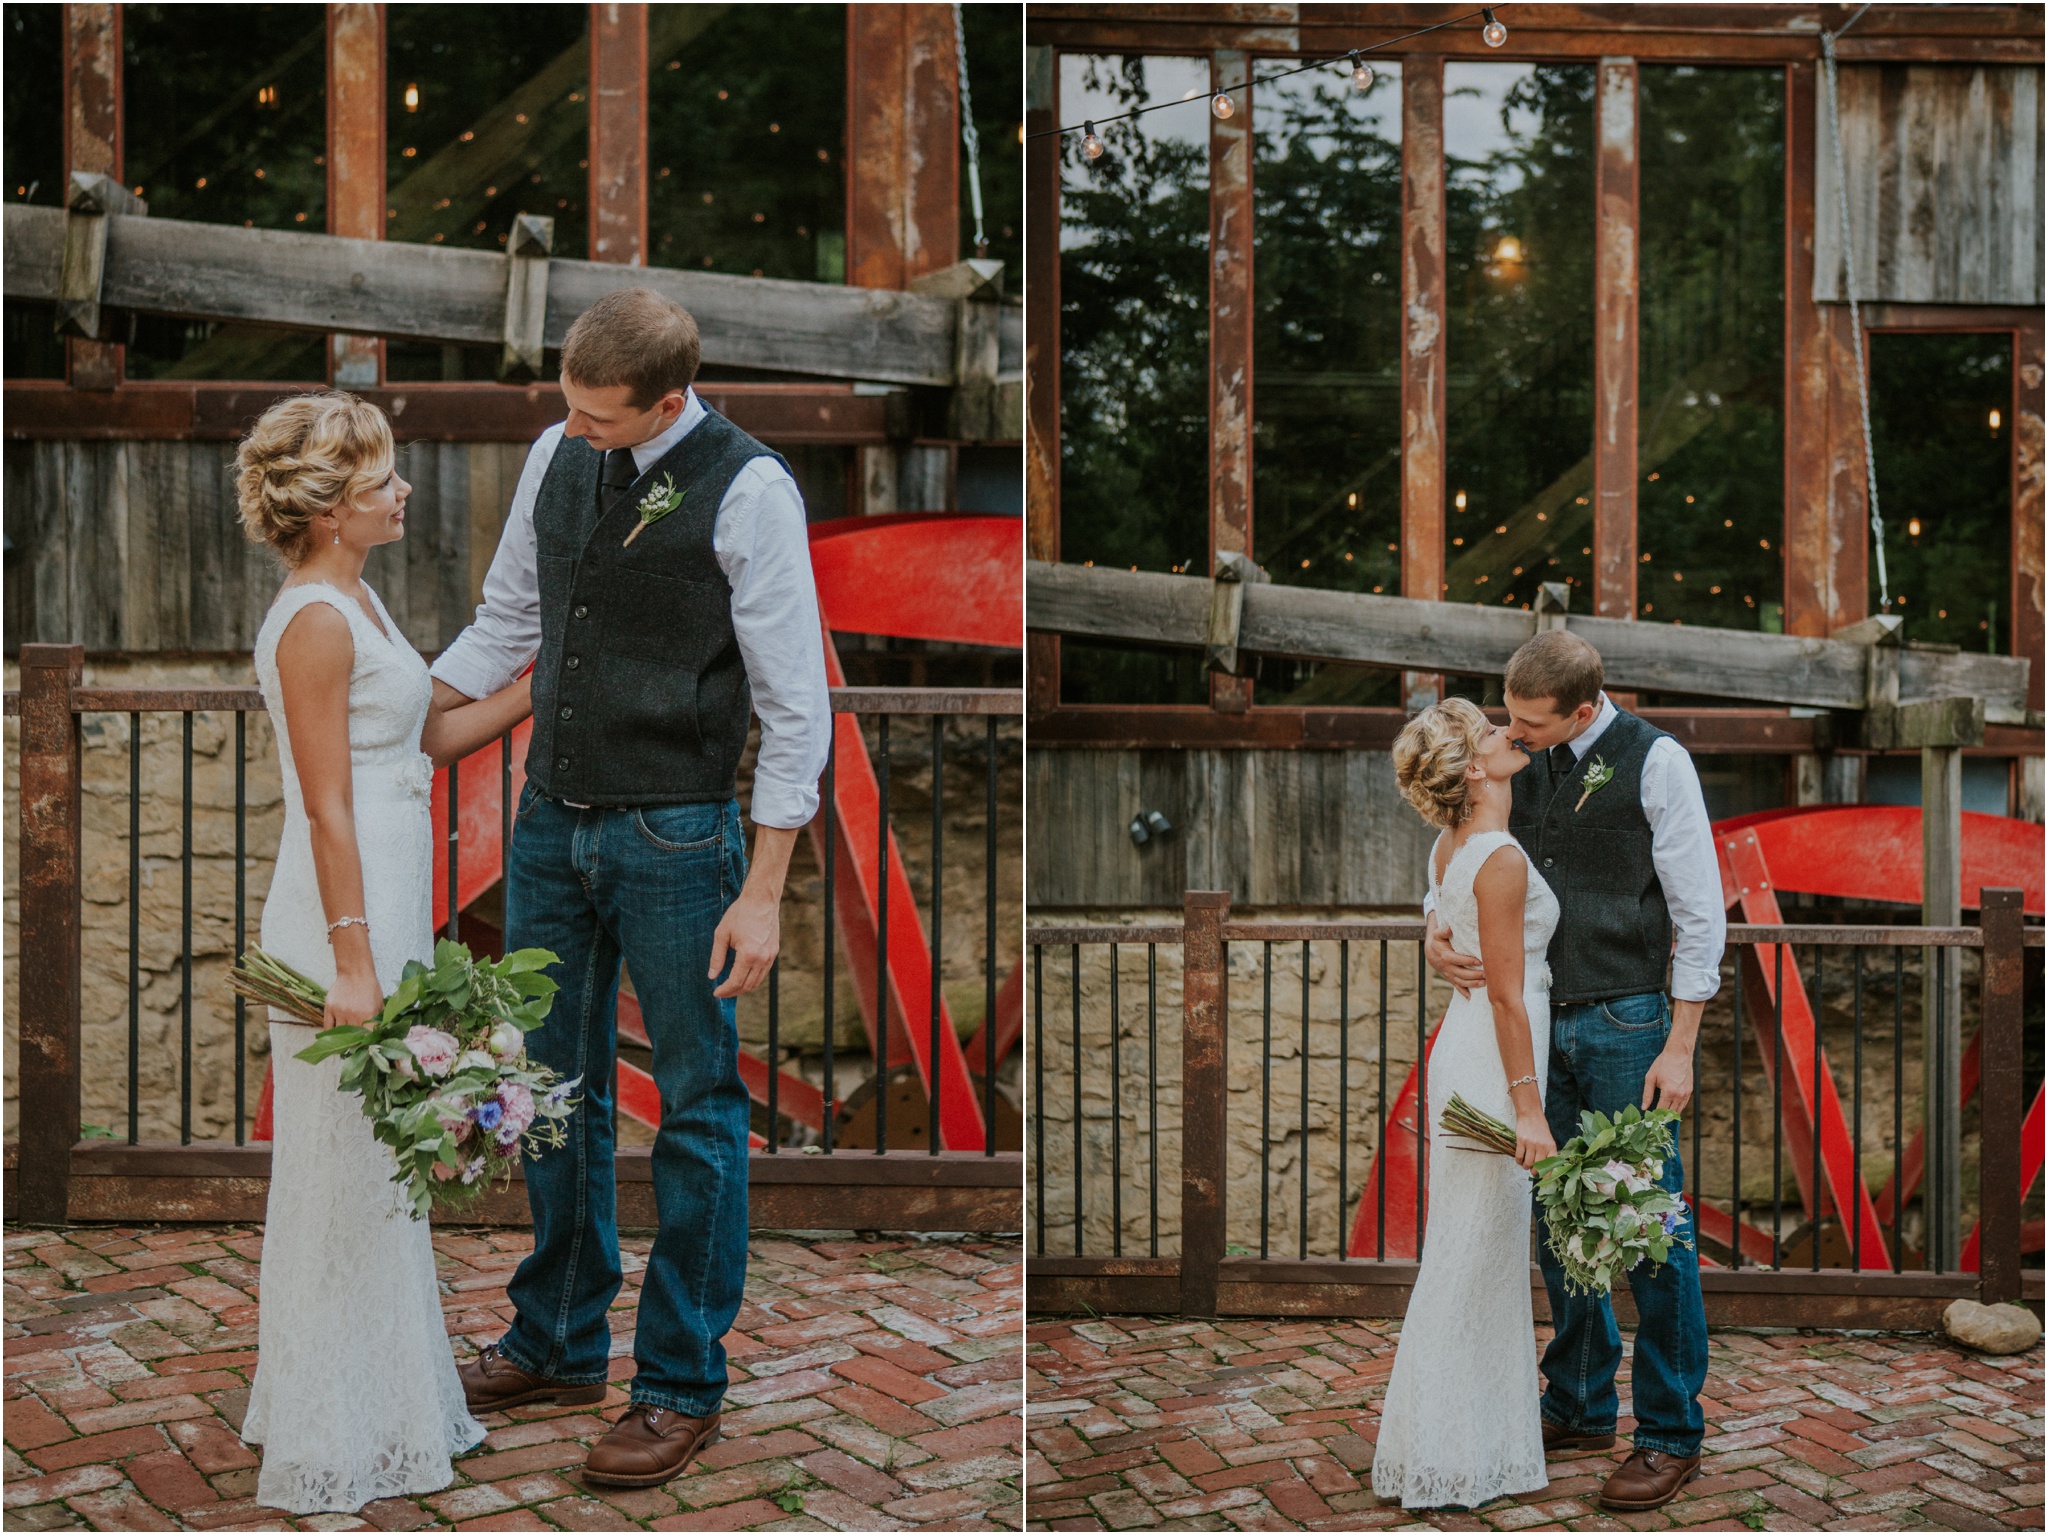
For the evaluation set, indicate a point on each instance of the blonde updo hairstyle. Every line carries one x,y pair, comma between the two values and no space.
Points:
308,454
1433,756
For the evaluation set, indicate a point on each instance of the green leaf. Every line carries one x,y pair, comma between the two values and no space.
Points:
332,1042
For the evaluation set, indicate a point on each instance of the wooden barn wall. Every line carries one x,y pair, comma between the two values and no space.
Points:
1307,828
134,547
1945,185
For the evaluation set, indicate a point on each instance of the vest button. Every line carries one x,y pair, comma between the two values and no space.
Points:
573,662
568,713
1548,862
582,611
561,762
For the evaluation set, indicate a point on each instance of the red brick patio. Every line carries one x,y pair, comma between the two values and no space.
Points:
875,1387
1170,1425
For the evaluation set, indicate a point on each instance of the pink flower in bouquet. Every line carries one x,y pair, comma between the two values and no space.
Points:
507,1040
434,1049
443,1172
517,1101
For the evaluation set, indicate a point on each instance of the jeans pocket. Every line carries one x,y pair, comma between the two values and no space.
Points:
1637,1014
680,828
527,796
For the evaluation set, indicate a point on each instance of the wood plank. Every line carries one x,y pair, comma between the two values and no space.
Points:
1945,176
1158,609
431,292
1617,215
1424,369
1230,337
618,134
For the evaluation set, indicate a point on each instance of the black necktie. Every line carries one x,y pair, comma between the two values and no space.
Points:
619,474
1561,762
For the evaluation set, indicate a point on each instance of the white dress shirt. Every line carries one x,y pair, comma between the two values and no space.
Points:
760,542
1681,851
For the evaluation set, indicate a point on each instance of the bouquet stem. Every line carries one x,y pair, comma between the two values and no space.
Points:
1460,1118
271,983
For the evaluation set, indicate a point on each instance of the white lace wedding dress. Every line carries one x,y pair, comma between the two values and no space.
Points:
1459,1423
355,1396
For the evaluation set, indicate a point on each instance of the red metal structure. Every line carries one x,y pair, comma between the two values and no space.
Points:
1855,852
943,576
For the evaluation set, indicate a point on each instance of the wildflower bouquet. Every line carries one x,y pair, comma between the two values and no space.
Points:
1603,1210
442,1069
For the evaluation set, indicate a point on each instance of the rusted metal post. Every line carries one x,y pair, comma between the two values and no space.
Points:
92,142
1941,1001
1815,606
2003,1105
1230,337
1618,206
355,161
2027,472
49,974
1423,346
1205,1093
902,143
618,134
1041,359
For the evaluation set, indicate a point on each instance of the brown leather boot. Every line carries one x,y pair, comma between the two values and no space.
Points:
648,1446
491,1383
1557,1439
1648,1479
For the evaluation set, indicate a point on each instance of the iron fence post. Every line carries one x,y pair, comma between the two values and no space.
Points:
49,931
1205,1089
2003,1104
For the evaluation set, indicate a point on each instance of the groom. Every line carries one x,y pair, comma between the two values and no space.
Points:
654,567
1612,815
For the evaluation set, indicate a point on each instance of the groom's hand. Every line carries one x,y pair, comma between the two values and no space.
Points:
1668,1083
751,931
1461,970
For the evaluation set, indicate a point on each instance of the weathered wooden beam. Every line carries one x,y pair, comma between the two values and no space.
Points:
526,297
394,288
1424,347
1230,339
618,134
1304,623
1617,214
92,142
355,161
90,198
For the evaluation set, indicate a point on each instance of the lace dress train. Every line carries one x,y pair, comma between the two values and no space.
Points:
355,1395
1459,1423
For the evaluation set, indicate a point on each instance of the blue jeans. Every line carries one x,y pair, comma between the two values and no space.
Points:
1599,1054
649,886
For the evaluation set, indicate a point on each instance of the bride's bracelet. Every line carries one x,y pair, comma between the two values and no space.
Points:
362,922
1519,1081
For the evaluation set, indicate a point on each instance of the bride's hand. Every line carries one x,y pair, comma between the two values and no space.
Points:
353,997
1532,1140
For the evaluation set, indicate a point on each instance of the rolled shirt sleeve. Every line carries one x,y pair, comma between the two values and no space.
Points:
505,635
763,547
1682,851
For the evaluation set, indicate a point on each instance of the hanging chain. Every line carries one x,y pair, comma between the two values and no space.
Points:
968,135
1827,43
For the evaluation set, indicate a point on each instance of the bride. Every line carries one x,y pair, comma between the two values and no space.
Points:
355,1396
1459,1424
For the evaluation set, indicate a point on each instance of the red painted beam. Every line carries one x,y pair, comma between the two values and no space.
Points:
794,1097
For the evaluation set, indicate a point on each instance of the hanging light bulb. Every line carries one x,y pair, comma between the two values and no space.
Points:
1995,419
412,98
1361,73
1493,32
1222,106
1913,527
1091,144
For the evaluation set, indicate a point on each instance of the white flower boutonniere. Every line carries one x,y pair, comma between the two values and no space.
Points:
1598,776
655,505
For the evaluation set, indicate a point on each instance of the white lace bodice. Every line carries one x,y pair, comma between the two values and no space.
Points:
1458,905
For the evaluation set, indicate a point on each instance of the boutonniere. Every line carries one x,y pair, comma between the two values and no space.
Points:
1598,776
655,505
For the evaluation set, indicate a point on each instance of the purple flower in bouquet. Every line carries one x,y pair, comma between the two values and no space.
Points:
434,1049
487,1114
475,1168
1674,1222
516,1099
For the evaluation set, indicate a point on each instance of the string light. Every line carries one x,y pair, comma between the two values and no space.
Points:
1913,527
1995,419
1091,145
1222,105
1361,73
412,98
1459,501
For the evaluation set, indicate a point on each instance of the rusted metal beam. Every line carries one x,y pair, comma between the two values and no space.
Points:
2029,587
355,162
1618,208
1205,1083
618,134
775,413
1845,542
48,941
1813,606
1004,702
92,142
1230,338
2002,1042
1042,355
902,143
1424,370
